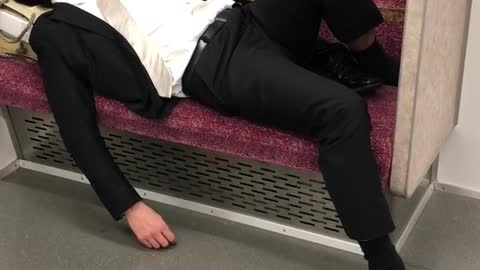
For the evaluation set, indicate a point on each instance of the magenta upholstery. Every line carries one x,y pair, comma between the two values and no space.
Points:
195,125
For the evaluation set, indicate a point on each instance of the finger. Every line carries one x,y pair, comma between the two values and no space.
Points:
145,243
154,242
162,240
170,236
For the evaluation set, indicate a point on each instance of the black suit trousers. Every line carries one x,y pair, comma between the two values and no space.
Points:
253,69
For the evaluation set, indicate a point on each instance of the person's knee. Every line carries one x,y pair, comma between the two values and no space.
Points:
342,118
354,106
352,113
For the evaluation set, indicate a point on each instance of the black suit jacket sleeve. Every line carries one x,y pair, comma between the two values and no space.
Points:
65,66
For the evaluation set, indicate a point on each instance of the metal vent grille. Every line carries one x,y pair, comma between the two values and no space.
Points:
271,192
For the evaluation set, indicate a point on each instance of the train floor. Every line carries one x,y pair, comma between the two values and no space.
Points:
50,223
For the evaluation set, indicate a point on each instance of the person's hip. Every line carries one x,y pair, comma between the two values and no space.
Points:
204,76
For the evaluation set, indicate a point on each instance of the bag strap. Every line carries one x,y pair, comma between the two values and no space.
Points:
29,13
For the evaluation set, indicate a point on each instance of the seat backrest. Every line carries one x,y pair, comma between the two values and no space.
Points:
428,99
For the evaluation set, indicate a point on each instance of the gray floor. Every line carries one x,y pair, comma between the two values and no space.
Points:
50,223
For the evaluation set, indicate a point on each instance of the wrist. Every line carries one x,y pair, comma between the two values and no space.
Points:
133,209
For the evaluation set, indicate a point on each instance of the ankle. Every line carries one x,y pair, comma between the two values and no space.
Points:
363,42
374,52
381,254
375,246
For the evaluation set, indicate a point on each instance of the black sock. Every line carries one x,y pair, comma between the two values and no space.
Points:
376,61
381,254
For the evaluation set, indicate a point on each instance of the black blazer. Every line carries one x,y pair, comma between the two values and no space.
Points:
80,55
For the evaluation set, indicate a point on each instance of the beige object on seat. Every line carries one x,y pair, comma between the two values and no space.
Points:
14,44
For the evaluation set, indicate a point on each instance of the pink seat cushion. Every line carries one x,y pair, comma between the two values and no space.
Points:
195,125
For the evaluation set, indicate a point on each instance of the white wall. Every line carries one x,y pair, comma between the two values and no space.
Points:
460,160
7,152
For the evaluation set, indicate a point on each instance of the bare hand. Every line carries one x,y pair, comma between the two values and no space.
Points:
149,227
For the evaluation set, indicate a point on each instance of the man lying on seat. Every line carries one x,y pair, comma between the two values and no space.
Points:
260,61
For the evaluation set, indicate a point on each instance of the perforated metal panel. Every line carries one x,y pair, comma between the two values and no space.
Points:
279,194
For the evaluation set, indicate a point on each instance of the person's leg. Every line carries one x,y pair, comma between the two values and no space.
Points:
293,24
261,82
354,23
246,71
278,92
364,41
351,21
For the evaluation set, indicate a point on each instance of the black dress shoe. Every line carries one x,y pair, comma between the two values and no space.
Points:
336,62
